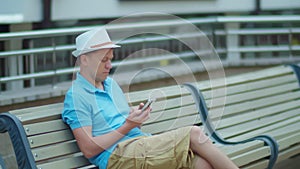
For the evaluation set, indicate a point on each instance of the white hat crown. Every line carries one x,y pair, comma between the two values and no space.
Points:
93,40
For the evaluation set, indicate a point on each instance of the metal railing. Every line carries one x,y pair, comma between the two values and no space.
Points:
227,34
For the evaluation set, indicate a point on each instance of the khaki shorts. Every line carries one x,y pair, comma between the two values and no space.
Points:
168,150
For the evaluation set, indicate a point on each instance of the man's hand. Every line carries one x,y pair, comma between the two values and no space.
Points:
136,117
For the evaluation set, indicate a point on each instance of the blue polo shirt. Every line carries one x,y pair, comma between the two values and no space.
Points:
105,110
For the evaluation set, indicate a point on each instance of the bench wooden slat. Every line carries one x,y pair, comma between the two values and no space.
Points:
262,93
261,84
45,127
72,162
258,113
278,130
244,78
50,138
235,150
159,93
172,103
248,106
260,123
171,124
37,108
253,155
268,130
250,86
88,167
258,75
55,151
36,117
259,164
172,114
253,95
288,141
255,124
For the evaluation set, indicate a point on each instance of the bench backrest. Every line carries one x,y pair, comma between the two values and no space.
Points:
52,142
256,100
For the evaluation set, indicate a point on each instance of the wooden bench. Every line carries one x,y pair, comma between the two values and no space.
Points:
42,140
265,102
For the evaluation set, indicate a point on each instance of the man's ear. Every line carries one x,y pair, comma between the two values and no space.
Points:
83,60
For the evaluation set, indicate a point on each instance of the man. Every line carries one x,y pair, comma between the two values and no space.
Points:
108,131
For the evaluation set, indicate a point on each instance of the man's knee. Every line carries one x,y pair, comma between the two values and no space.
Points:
198,135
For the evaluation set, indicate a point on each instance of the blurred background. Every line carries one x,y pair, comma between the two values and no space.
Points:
37,38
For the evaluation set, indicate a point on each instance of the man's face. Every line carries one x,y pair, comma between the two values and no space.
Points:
99,64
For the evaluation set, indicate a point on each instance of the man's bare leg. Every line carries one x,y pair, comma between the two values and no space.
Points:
201,145
200,163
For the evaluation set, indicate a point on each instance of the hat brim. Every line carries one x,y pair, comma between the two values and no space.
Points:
77,53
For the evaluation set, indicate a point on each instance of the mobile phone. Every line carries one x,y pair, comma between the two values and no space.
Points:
149,102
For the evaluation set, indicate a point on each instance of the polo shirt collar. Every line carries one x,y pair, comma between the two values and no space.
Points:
88,86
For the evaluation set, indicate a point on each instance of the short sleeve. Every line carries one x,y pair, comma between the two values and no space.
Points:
76,112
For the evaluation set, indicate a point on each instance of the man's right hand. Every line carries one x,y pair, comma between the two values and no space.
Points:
137,117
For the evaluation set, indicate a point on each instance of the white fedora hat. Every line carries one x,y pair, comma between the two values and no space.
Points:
93,40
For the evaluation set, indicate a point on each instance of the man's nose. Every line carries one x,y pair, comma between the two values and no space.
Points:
108,64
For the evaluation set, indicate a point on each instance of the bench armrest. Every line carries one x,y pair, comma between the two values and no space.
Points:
209,128
11,124
296,69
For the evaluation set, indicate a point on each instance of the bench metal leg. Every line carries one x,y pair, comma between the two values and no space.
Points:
203,111
11,124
